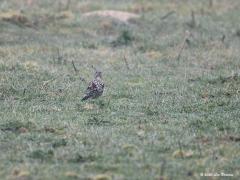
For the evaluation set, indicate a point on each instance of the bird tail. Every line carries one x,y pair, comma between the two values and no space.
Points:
85,98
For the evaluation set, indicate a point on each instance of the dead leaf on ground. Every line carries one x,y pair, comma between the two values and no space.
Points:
223,139
88,106
23,130
182,154
49,129
16,18
131,149
139,8
234,138
31,65
141,133
65,15
119,15
58,131
101,177
154,55
71,174
162,178
8,15
19,174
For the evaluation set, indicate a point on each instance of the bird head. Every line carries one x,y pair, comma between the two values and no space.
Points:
98,74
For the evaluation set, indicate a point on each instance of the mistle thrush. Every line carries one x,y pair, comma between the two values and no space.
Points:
95,87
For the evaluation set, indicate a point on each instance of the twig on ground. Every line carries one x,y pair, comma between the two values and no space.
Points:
83,80
163,166
199,149
167,15
59,57
126,62
180,148
234,138
187,34
223,38
192,23
214,155
24,91
74,67
77,71
95,69
68,5
163,93
45,83
210,3
59,6
237,33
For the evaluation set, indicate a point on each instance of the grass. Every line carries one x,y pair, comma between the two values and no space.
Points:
159,117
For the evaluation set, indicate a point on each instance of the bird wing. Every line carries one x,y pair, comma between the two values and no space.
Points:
94,89
92,86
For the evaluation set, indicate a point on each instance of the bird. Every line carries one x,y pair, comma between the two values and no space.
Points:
95,87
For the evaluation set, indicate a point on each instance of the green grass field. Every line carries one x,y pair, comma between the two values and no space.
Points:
171,106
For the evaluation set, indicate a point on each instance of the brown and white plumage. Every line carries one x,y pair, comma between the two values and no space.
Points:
95,87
